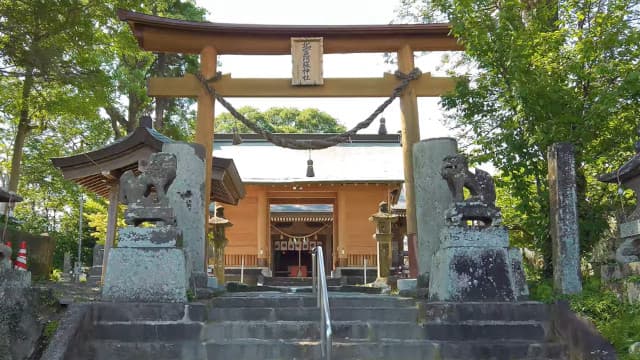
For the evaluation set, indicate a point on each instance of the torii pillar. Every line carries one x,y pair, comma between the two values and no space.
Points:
205,121
410,135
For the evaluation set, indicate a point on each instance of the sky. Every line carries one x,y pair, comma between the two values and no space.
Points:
348,111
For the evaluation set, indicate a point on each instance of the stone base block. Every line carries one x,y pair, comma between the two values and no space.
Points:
475,264
145,275
138,237
633,292
11,278
610,273
462,236
631,269
630,229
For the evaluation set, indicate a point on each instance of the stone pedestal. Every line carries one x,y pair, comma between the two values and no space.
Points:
146,267
564,219
145,275
476,264
187,198
433,197
384,255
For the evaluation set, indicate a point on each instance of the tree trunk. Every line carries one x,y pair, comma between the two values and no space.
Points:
161,103
24,128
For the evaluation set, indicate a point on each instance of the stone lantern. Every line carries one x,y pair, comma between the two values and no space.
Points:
218,239
383,220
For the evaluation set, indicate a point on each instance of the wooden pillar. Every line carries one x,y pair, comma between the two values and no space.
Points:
410,128
205,122
341,240
112,224
263,229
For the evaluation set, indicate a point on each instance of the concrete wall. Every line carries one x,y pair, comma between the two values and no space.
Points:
39,251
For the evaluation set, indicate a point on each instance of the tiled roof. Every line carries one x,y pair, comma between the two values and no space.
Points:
367,159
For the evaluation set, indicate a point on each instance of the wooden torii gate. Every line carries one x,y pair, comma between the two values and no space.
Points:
212,39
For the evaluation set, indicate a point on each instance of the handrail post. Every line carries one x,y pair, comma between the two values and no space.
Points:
242,270
323,304
314,284
365,270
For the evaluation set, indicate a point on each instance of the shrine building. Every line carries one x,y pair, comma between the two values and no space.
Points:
296,199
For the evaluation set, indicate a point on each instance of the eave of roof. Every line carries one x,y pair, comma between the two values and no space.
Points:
98,169
156,33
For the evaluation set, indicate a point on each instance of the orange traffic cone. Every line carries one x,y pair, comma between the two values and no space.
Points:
21,259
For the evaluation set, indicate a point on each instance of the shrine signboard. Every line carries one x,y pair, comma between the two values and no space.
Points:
306,54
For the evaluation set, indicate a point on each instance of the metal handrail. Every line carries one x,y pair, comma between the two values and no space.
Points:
319,286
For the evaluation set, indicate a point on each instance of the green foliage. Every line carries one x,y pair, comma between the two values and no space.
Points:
545,72
281,120
55,275
616,320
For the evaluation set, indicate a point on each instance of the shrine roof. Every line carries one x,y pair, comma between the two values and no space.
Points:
162,34
366,159
98,169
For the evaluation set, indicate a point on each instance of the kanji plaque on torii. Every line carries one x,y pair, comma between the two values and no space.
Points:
306,54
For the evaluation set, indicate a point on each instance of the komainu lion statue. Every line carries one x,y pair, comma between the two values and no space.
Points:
455,170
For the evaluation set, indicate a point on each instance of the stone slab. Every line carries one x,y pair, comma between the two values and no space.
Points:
475,237
145,275
564,219
432,194
519,277
630,229
188,200
146,237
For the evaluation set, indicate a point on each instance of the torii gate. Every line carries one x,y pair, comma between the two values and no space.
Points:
212,39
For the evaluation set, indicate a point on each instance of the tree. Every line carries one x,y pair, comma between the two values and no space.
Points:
129,69
281,120
546,72
47,57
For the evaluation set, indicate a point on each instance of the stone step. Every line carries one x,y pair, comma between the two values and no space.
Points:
310,330
488,330
312,314
295,281
149,331
499,311
373,330
108,311
335,301
137,350
249,349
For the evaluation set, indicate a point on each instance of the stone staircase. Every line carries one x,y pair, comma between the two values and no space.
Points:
285,326
295,281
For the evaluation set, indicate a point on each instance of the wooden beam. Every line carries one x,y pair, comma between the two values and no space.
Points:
227,86
169,35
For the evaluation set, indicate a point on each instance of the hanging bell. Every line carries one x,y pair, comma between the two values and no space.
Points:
310,172
237,140
382,130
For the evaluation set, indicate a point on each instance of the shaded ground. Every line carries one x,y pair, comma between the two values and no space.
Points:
68,292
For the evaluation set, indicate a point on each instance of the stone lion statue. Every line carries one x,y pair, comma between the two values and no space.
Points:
455,170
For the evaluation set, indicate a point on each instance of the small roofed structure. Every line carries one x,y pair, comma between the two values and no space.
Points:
99,171
628,176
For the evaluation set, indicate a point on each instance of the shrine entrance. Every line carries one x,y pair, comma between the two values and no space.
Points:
295,230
